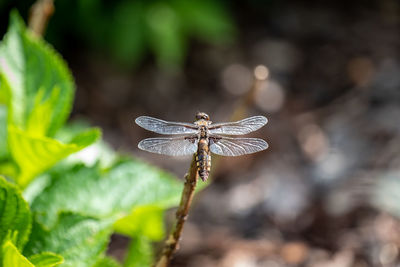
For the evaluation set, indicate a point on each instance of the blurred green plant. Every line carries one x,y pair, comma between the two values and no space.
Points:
64,191
131,29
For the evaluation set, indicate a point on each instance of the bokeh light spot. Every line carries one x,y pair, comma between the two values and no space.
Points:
237,79
270,96
261,72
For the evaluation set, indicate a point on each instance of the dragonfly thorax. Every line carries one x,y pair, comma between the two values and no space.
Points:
203,131
202,122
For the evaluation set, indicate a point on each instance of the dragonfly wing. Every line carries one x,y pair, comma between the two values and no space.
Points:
176,146
227,146
239,127
165,127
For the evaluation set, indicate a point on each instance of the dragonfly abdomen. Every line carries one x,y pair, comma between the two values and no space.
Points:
203,159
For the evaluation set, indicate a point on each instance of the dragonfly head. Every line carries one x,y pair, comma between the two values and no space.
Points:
202,116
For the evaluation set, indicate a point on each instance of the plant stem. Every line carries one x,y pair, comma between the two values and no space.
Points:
40,14
172,243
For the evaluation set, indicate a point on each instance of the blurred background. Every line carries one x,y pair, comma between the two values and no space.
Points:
325,73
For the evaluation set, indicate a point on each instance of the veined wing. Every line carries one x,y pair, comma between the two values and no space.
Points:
239,127
227,146
165,127
175,146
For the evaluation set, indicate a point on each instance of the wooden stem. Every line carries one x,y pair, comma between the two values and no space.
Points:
172,243
40,14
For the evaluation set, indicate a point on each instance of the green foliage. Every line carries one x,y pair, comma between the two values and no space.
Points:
98,153
140,253
34,154
165,35
15,217
15,227
144,220
107,262
104,194
39,91
79,190
130,29
12,257
128,18
35,75
3,133
81,240
46,259
208,20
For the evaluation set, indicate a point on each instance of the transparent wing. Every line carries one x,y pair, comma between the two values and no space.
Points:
165,127
239,127
175,146
227,146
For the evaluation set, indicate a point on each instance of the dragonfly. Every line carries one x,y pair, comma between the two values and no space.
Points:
201,138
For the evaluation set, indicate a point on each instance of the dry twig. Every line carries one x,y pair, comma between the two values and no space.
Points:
172,243
40,14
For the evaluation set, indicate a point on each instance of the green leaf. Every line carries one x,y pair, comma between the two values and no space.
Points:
140,253
81,240
4,90
85,138
13,258
39,120
4,153
35,154
15,217
46,259
145,220
99,152
29,65
107,262
8,168
36,187
117,191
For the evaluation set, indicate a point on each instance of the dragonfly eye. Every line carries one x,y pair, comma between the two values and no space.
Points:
202,116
